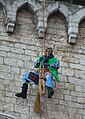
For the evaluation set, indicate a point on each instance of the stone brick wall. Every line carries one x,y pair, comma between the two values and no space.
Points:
19,50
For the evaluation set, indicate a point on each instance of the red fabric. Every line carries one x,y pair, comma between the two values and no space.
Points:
47,70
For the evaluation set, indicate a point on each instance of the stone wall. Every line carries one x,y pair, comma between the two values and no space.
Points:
21,28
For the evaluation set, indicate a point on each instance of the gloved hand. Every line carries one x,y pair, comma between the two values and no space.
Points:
36,64
46,65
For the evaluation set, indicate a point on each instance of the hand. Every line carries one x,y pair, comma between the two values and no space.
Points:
36,64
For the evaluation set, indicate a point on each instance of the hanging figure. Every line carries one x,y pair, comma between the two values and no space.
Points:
51,66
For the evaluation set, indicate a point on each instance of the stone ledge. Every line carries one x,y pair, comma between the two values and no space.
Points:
72,38
10,27
72,33
41,27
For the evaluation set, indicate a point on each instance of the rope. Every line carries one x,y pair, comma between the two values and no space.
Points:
40,88
43,28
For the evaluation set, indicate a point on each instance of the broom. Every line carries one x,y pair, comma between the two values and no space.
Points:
37,103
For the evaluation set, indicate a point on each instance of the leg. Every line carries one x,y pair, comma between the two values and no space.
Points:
25,81
49,84
23,93
50,92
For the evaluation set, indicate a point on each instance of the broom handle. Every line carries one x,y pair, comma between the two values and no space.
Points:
41,81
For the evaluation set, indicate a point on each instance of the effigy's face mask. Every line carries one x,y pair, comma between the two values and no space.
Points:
48,52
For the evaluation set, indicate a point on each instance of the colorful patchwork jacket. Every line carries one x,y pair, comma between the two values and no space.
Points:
51,63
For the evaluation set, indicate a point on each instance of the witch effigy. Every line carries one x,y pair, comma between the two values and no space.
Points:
50,66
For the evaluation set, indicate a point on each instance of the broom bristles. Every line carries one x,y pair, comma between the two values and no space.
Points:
37,103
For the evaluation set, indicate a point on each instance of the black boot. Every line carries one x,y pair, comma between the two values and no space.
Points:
50,92
23,94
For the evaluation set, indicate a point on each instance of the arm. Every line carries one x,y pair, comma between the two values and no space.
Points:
56,65
37,63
